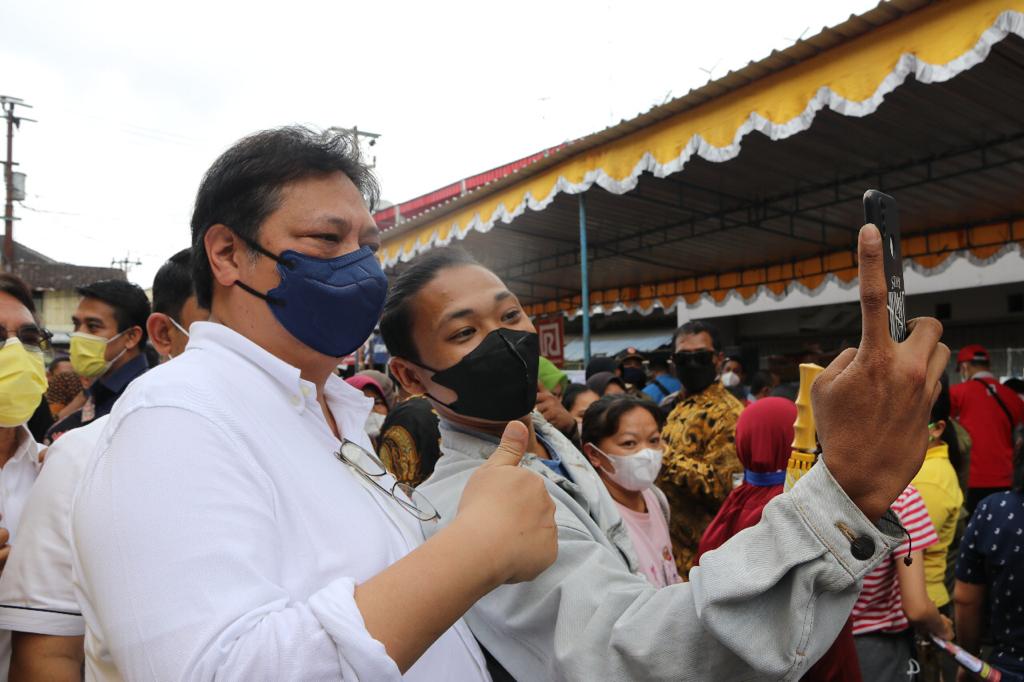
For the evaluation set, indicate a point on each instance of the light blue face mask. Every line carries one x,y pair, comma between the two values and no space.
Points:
331,305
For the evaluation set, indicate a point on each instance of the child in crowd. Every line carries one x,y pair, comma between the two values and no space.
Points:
895,597
622,440
939,488
576,399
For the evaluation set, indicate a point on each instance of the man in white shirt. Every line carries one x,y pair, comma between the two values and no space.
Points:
22,384
231,523
37,598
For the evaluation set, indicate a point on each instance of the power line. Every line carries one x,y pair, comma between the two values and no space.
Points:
124,264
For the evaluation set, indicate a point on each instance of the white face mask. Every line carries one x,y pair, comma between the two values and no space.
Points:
374,423
634,472
730,379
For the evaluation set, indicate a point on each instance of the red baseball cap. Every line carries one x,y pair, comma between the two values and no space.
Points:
974,352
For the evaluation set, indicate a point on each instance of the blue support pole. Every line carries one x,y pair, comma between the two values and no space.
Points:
584,280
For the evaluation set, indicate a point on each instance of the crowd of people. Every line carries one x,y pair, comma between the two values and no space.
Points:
194,492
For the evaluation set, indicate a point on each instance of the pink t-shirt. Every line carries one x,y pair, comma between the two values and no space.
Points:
649,534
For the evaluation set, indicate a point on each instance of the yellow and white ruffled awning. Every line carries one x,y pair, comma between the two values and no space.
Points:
932,44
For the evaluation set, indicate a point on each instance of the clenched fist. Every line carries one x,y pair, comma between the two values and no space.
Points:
873,403
507,511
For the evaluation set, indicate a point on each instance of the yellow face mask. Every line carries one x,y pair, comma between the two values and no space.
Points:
22,383
89,354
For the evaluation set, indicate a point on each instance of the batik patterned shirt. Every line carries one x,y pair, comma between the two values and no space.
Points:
698,465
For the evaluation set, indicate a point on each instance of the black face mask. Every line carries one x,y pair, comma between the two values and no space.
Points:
695,369
497,381
634,376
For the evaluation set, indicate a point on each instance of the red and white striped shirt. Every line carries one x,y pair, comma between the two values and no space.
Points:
879,607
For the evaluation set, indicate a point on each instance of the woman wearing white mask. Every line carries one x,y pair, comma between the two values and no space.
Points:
379,388
622,440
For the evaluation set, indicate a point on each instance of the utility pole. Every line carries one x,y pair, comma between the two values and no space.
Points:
124,264
13,121
356,133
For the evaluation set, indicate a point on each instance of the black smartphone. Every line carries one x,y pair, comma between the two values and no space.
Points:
881,210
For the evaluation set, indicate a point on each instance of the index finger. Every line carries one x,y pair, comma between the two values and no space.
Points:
874,297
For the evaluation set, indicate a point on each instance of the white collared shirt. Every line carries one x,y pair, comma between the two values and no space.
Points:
36,590
215,533
16,479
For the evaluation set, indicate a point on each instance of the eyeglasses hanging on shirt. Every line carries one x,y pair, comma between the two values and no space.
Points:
371,470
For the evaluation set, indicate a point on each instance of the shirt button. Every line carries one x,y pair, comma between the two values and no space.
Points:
296,400
862,548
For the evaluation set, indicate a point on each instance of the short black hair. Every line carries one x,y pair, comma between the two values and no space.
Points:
760,381
396,321
941,410
172,285
243,186
697,327
658,364
131,307
571,392
15,286
601,363
601,419
1015,384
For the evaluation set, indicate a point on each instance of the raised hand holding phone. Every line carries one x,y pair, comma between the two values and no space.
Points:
882,211
872,403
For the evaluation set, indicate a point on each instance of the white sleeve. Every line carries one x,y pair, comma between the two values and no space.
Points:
36,592
177,554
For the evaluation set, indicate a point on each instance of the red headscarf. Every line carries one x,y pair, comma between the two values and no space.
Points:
764,437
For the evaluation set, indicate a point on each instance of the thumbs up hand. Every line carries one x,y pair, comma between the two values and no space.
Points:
508,511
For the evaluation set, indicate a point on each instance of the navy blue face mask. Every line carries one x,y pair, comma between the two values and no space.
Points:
331,305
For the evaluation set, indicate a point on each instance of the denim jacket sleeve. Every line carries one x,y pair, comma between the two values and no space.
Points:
764,606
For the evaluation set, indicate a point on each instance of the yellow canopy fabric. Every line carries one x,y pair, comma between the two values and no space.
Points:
935,44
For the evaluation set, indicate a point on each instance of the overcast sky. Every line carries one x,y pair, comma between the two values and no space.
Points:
135,99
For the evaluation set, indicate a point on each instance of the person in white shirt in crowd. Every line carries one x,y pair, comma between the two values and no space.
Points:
622,439
22,385
37,598
767,603
232,522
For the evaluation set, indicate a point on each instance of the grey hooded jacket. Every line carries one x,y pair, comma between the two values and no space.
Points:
764,606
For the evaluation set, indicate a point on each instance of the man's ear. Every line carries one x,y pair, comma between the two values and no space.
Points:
407,375
226,253
158,326
133,336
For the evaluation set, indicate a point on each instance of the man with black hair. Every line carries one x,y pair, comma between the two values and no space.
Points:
37,599
106,347
766,604
700,451
662,383
233,521
989,411
761,384
174,304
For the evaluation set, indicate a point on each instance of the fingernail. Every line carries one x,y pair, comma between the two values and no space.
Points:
870,234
